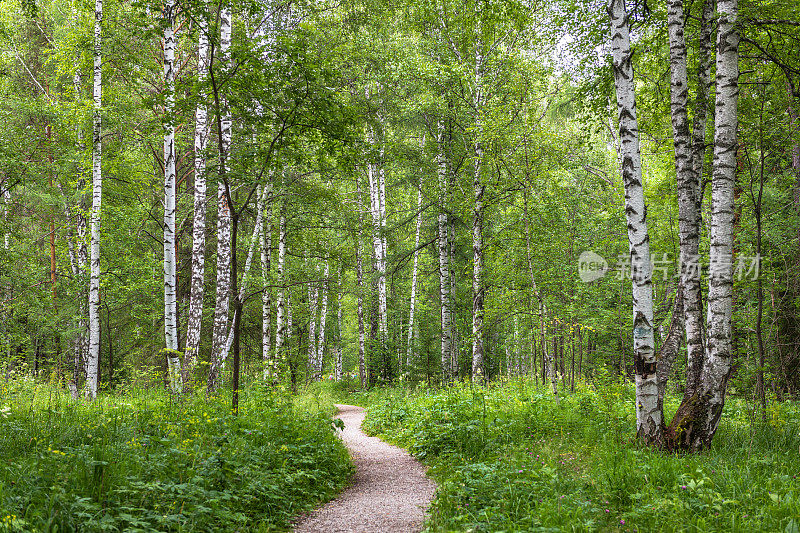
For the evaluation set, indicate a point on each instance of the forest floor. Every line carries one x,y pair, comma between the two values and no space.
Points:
389,491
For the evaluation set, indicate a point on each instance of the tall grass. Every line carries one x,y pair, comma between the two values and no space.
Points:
509,458
146,461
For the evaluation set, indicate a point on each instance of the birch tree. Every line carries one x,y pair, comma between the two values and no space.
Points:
194,324
323,314
377,190
689,151
444,258
266,279
337,364
170,250
411,349
478,189
698,417
362,371
222,303
648,415
280,320
93,360
313,311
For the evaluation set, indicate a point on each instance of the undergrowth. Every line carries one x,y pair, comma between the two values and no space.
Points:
146,461
510,458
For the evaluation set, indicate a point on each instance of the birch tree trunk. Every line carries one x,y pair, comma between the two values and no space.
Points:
266,280
78,253
648,416
478,189
382,303
411,353
222,304
692,296
170,259
451,265
362,371
377,203
313,295
697,418
322,319
444,261
377,185
688,177
194,324
719,352
337,373
280,321
93,360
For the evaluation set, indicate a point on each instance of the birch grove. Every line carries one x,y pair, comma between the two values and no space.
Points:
492,249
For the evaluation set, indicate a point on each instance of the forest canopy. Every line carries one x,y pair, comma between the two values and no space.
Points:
204,195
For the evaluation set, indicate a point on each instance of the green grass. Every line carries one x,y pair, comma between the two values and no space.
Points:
147,462
508,458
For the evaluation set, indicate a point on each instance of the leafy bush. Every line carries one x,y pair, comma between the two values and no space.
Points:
510,458
148,462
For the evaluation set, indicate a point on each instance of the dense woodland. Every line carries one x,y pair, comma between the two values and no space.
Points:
554,247
203,195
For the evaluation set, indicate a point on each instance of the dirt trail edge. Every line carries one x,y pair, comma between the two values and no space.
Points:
389,492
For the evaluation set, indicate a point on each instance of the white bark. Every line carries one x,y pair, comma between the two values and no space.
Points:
719,349
170,255
377,188
222,304
322,319
93,360
313,296
451,263
266,280
79,253
692,297
337,372
648,414
478,189
410,353
194,324
280,327
444,260
360,287
384,323
688,185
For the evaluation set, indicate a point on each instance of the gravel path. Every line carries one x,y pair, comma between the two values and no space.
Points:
389,491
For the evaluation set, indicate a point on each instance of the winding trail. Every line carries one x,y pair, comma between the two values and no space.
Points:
389,492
